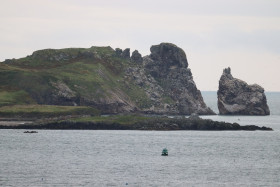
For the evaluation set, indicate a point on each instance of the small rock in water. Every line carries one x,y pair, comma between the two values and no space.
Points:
30,132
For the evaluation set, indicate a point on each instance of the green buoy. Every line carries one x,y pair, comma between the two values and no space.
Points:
164,152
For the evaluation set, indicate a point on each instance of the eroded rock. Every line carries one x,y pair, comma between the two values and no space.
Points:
236,97
169,83
136,57
126,53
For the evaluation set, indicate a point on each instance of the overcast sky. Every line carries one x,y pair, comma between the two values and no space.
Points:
215,34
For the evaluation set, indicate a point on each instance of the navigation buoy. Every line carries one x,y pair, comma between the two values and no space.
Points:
164,152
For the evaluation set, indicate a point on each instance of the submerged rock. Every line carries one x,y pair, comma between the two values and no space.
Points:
30,132
236,97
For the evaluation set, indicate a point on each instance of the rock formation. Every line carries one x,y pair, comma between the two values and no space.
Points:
126,53
112,81
136,57
168,81
123,53
236,97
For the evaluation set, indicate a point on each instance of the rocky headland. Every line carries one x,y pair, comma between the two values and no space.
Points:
236,97
166,79
109,80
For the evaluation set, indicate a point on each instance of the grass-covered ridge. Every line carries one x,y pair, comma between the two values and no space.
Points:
43,111
120,119
10,97
91,74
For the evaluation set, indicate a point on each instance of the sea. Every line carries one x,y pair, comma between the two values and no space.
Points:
133,158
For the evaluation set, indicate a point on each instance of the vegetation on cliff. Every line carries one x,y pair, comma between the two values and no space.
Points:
65,77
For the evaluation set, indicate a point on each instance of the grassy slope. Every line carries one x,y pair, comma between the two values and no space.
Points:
29,80
41,111
120,119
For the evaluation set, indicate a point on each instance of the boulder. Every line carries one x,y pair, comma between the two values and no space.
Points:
236,97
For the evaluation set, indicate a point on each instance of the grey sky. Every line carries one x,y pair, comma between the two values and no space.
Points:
241,34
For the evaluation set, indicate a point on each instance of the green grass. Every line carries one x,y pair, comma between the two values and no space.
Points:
40,111
15,97
89,80
120,119
92,78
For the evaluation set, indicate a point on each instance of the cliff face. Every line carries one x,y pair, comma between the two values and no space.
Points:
236,97
168,66
107,79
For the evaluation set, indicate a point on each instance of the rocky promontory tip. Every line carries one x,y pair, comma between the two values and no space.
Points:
236,97
170,55
168,66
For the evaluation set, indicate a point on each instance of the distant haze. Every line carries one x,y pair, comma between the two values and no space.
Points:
241,34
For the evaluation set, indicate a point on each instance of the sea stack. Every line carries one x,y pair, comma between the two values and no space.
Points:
236,97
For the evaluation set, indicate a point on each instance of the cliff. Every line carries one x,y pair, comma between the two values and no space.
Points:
109,80
236,97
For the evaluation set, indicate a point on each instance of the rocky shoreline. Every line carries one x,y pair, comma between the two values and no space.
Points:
141,123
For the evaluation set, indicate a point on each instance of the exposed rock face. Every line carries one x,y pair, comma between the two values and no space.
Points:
62,94
236,97
168,81
116,102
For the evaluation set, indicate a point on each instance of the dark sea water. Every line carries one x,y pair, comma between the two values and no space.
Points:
132,158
